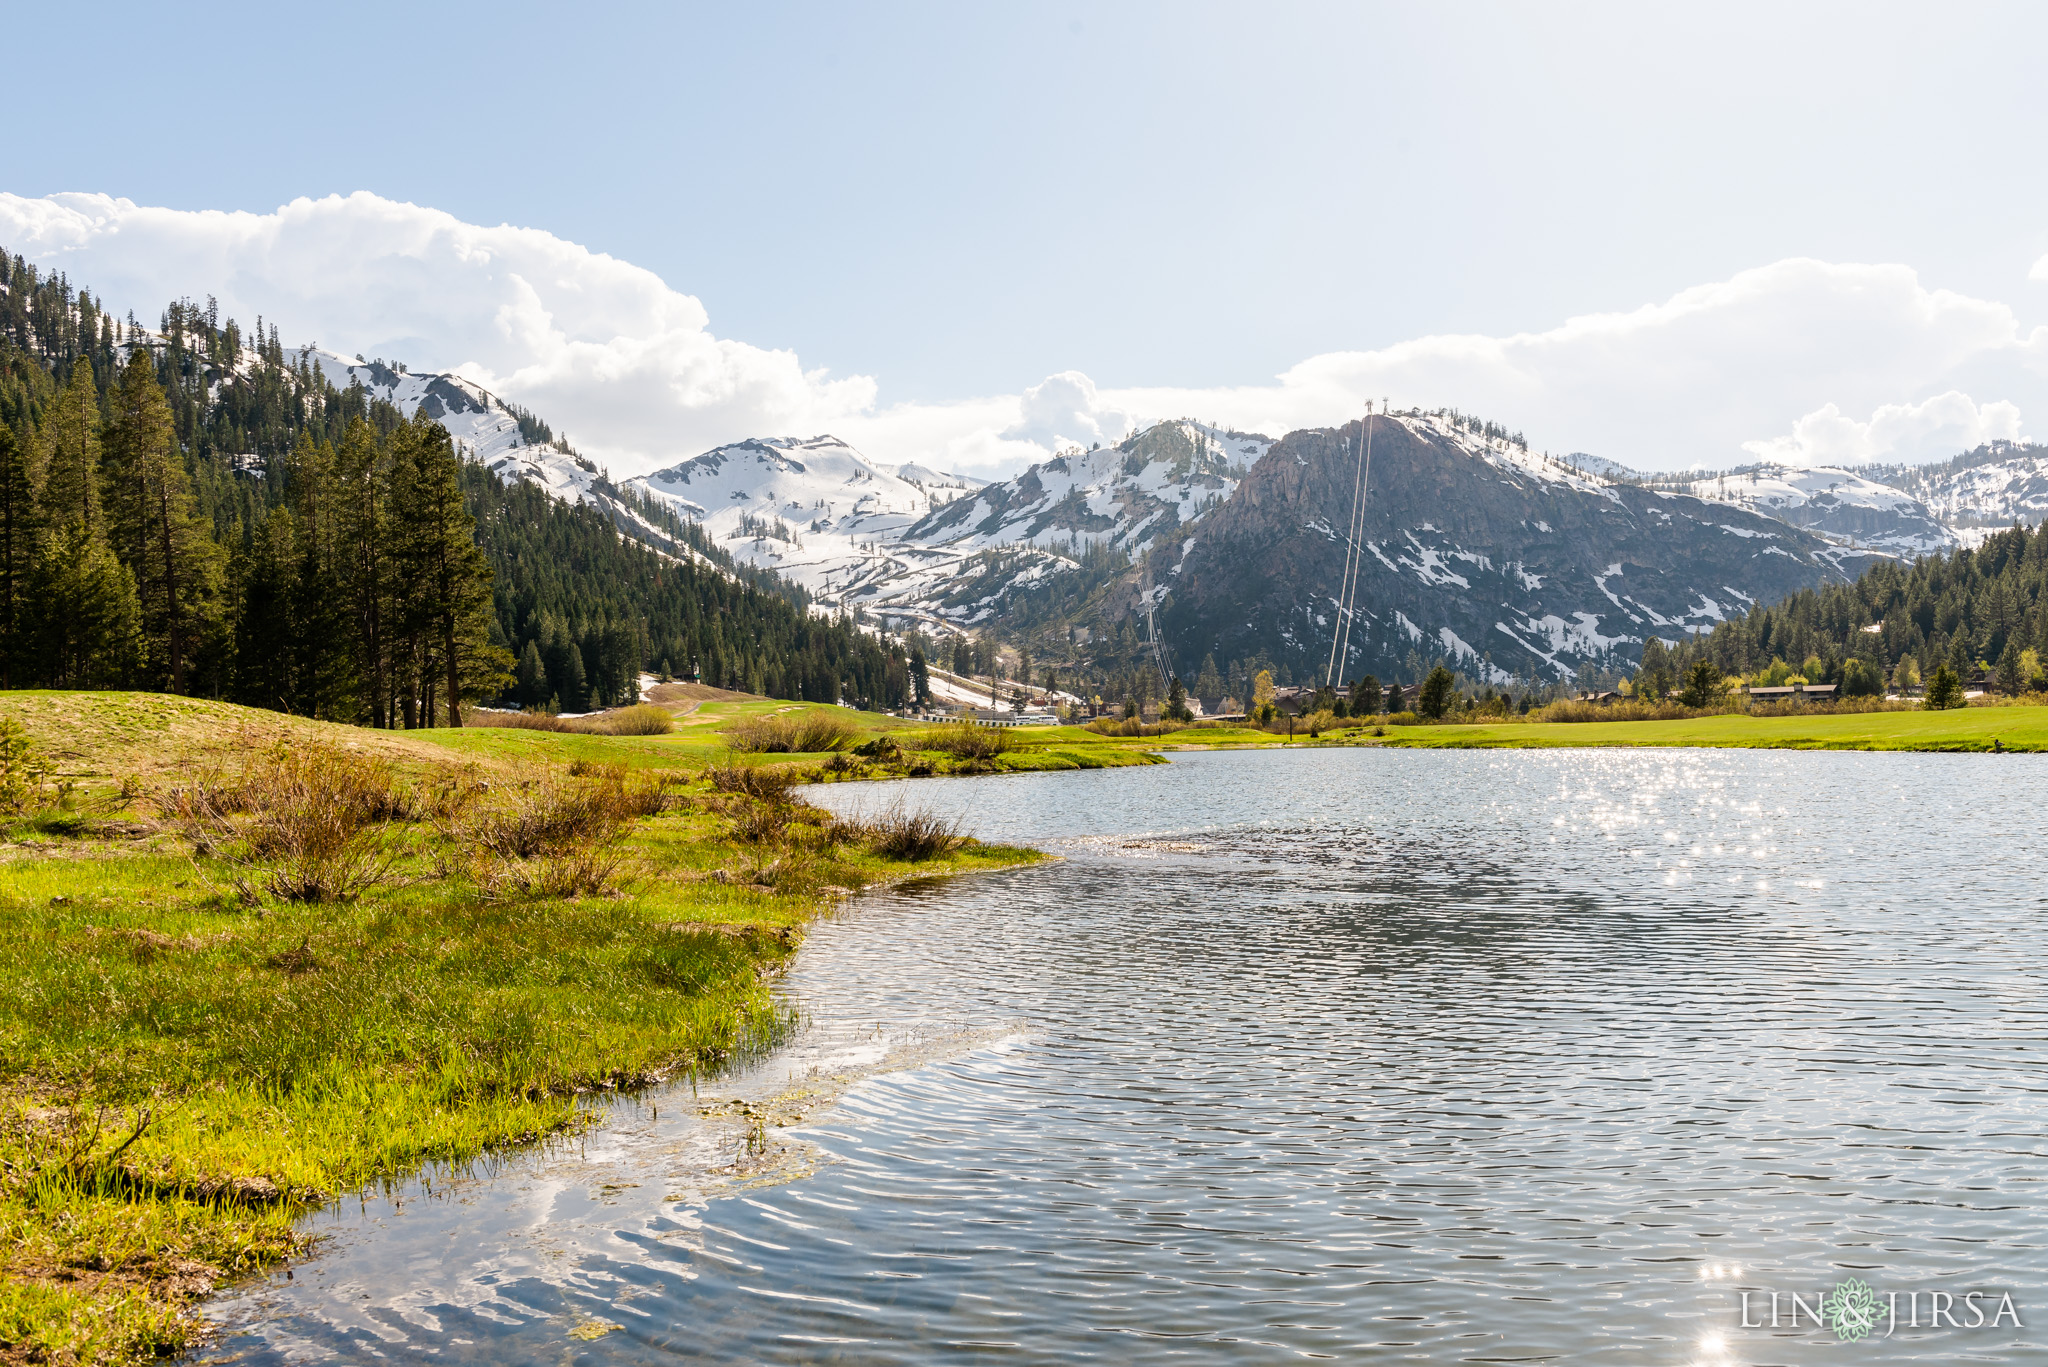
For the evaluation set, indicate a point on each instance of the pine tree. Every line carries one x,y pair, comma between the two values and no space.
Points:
321,648
71,453
155,530
266,627
1365,696
364,563
1702,684
1435,698
21,524
1177,702
448,582
86,615
1944,690
920,678
532,677
2012,672
1959,655
573,690
1654,673
1208,683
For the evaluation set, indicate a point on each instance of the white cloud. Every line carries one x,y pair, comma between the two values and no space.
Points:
1064,409
1805,359
1686,382
601,348
1899,433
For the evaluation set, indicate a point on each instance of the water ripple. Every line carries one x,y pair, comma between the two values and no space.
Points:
1486,1058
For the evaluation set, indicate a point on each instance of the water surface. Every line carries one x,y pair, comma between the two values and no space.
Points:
1433,1057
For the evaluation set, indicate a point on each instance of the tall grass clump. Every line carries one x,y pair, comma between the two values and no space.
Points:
967,741
758,781
641,719
901,833
809,732
518,721
302,822
1132,726
555,836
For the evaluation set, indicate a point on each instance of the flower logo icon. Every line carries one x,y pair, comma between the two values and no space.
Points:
1850,1309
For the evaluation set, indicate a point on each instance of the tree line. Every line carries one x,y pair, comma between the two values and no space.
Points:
1975,611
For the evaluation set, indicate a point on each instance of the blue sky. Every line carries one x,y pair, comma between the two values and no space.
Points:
962,200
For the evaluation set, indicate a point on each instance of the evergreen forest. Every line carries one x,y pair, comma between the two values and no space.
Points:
196,509
1979,611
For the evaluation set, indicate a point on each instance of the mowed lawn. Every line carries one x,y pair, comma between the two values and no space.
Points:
1964,729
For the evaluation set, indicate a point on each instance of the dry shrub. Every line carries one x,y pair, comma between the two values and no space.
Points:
881,750
641,719
314,813
913,835
760,823
518,721
555,836
1838,707
967,740
1132,726
1634,709
759,781
842,765
809,732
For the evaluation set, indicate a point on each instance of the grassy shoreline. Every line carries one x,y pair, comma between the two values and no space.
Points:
1964,730
189,1065
191,1061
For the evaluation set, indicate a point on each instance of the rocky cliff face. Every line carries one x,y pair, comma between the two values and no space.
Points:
1508,565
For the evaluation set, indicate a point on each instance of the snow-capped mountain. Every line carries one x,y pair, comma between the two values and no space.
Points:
1510,564
1840,505
812,509
914,545
1980,491
1124,496
943,487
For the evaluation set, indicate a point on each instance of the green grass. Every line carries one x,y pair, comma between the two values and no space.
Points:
1963,729
308,1049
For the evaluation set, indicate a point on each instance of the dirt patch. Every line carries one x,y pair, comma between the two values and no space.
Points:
669,694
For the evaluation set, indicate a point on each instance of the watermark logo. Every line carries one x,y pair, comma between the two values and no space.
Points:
1855,1310
1851,1310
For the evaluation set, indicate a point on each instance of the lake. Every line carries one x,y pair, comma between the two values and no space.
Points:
1446,1057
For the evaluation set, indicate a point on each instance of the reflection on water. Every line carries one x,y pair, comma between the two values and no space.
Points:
1470,1057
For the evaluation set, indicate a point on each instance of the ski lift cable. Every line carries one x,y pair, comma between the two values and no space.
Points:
1350,545
1357,536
